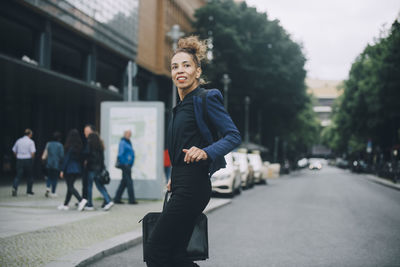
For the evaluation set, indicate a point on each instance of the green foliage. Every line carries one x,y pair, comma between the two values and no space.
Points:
263,63
369,109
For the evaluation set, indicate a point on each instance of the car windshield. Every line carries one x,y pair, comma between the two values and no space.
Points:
241,158
255,160
229,159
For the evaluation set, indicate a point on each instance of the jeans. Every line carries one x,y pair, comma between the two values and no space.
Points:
167,171
24,167
85,183
127,183
52,179
93,177
191,192
70,179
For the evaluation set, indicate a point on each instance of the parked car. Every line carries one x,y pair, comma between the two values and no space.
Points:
285,167
256,162
227,180
342,163
246,170
302,163
359,166
265,171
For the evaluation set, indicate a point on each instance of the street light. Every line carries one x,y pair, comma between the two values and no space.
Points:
175,33
226,81
246,119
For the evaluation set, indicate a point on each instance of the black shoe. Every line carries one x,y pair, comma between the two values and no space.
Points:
14,192
30,193
118,202
134,202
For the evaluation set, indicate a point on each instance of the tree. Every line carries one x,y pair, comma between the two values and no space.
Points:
263,63
369,109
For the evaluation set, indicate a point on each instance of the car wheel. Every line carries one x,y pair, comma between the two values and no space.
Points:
239,189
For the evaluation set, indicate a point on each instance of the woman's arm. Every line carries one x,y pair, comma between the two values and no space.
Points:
221,120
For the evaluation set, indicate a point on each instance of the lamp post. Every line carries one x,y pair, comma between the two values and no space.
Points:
226,81
175,33
246,119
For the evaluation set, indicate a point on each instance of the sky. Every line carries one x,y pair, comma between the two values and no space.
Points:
333,33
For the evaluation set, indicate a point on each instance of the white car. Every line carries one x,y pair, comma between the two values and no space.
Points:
256,163
227,180
246,170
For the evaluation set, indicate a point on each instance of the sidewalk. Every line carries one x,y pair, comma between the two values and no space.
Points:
382,181
34,233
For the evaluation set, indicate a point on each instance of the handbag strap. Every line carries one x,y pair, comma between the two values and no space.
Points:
165,200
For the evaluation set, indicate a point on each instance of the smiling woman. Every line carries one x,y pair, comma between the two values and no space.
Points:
194,155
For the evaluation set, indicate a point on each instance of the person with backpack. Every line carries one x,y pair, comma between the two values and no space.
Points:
52,156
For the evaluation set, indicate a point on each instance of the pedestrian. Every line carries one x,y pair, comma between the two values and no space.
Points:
88,129
194,155
72,169
126,158
95,164
167,165
52,156
24,149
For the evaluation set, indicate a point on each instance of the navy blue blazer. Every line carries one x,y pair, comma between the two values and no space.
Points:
222,122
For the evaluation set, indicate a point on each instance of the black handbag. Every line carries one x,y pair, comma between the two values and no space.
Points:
198,245
104,176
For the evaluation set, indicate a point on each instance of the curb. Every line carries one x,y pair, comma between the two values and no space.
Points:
382,181
84,256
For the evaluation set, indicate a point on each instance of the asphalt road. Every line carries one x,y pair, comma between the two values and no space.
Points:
309,218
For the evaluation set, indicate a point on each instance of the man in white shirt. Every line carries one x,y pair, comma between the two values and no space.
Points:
24,149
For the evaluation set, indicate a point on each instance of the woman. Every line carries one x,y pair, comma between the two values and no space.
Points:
72,168
194,155
53,155
95,164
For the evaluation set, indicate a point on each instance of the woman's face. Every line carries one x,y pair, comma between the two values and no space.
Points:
184,71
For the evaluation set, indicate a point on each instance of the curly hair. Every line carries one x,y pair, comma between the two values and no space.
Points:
195,47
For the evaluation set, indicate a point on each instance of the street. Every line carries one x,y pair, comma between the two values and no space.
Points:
309,218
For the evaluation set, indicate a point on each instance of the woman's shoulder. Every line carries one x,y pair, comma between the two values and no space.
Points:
214,95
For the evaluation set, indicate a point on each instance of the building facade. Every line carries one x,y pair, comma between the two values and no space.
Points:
325,92
59,59
156,19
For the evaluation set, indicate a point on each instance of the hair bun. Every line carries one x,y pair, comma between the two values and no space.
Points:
194,46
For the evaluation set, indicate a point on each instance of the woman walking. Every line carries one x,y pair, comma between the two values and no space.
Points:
53,155
95,163
72,168
194,155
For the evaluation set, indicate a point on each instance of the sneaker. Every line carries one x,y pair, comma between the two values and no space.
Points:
134,202
63,207
47,193
108,205
89,208
118,202
30,194
53,195
82,204
14,192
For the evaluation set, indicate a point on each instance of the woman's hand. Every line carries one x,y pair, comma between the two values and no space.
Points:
194,154
62,175
169,185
